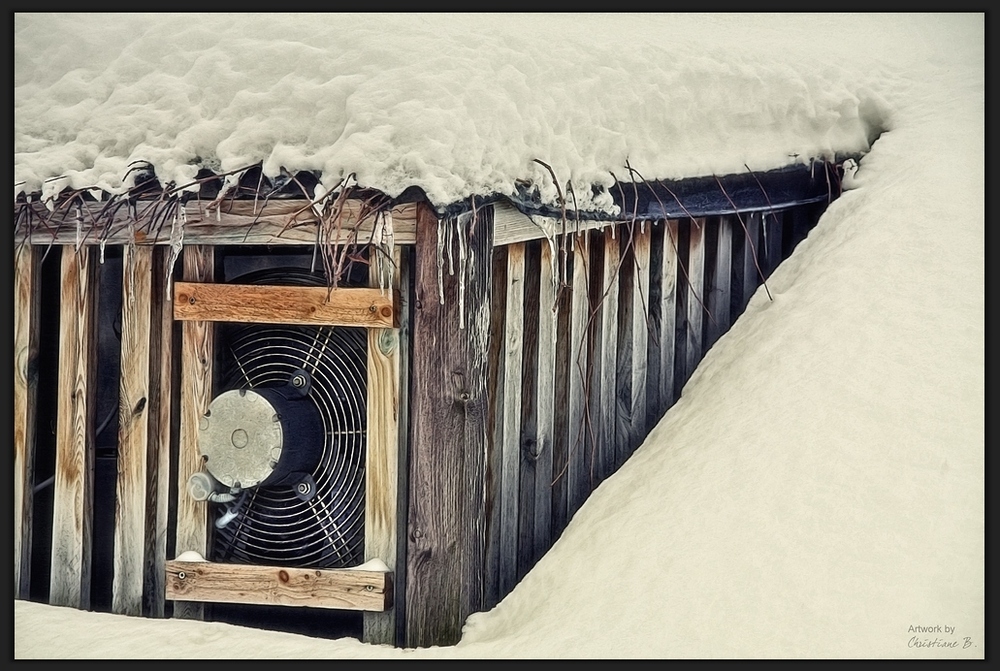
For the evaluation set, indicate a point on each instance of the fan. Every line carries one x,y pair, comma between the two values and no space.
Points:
284,442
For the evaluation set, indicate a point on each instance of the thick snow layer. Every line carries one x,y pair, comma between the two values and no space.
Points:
818,490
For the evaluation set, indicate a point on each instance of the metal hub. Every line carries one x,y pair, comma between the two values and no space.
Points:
241,438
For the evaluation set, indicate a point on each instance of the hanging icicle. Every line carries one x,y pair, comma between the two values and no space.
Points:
176,246
440,260
79,227
463,244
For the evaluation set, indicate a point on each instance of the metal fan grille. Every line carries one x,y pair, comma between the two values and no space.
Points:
274,526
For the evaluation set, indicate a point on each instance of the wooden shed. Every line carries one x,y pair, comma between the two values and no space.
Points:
349,414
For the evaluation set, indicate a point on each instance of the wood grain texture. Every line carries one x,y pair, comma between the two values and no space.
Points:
637,316
579,438
449,435
545,399
240,222
752,255
263,304
720,280
510,448
161,392
774,225
27,299
72,518
197,358
381,463
133,433
348,589
607,369
696,304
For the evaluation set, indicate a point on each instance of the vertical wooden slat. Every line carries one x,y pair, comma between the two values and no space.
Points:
133,437
621,410
562,391
752,255
495,372
197,354
668,319
381,459
27,263
545,431
773,240
404,311
719,283
607,370
511,390
161,389
696,292
579,335
72,520
640,336
529,440
446,551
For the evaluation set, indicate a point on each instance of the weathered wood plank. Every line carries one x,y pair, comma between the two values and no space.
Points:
720,280
258,303
606,371
382,460
161,390
27,299
528,443
562,392
449,435
578,443
240,222
133,432
545,425
773,240
72,519
404,310
495,381
752,257
349,589
662,318
197,359
511,390
696,304
637,314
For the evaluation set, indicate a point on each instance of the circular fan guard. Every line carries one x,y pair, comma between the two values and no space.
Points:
274,525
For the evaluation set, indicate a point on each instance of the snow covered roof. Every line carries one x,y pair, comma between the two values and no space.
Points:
453,105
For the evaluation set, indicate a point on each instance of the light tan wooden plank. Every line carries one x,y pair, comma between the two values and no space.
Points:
263,304
349,589
196,394
72,518
668,315
381,462
133,408
280,222
27,262
510,450
721,280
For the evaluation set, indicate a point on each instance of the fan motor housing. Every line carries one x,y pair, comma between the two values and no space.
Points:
262,436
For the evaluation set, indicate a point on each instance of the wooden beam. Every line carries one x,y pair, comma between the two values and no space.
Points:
606,369
446,550
133,432
545,425
27,300
348,589
720,280
161,393
696,304
197,355
511,389
578,442
263,304
73,510
238,222
381,458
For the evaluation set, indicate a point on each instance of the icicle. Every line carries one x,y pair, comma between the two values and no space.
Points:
463,244
450,232
103,242
440,261
79,228
176,246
